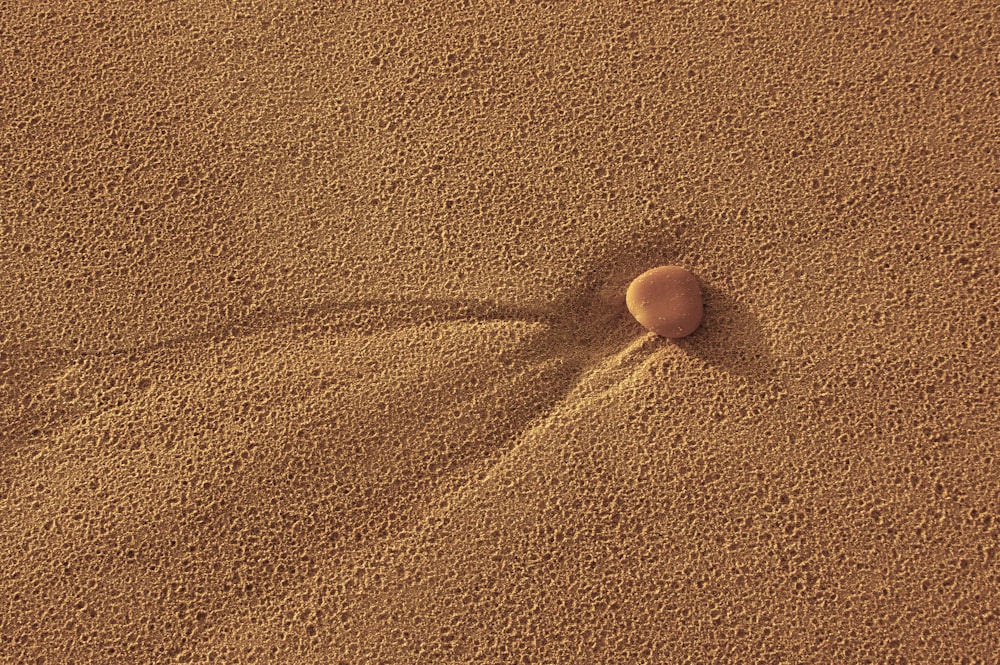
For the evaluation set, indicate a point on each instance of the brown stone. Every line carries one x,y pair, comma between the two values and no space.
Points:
666,300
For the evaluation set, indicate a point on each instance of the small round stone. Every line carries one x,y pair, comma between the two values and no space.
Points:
666,301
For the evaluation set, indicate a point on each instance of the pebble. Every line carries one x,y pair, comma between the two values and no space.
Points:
666,300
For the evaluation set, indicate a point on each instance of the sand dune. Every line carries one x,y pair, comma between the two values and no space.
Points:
313,343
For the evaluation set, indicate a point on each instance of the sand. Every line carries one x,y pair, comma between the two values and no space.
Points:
313,345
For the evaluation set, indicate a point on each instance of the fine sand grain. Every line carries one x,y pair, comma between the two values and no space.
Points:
314,346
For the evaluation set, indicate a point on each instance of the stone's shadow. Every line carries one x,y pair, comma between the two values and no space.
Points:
582,326
371,315
731,338
598,313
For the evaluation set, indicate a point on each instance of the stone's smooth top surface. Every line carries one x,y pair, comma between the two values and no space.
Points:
667,301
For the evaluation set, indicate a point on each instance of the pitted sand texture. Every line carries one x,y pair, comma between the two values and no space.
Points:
314,349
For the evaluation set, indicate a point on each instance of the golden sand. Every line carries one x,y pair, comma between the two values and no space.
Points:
313,344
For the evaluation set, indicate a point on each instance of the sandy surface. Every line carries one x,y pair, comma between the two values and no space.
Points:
313,346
